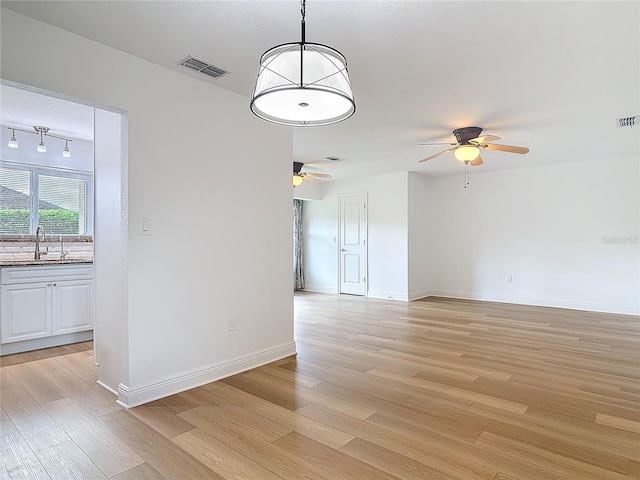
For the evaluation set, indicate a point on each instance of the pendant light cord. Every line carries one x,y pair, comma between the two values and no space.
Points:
303,13
303,7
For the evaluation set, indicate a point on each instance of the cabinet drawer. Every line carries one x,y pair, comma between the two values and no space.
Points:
45,273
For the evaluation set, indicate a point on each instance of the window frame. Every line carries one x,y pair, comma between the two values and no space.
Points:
34,171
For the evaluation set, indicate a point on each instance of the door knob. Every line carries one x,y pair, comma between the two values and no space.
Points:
343,250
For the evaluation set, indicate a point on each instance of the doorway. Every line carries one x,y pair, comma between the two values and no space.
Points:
353,244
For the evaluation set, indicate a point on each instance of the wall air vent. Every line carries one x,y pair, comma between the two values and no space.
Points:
627,121
203,67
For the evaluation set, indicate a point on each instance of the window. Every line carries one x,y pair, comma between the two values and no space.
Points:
59,200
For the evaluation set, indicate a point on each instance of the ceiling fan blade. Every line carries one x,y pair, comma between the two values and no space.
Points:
438,154
478,161
318,175
484,139
430,144
310,179
505,148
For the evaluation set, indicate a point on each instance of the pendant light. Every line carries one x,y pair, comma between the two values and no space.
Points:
303,84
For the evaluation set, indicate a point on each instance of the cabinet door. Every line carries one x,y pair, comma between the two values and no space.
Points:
26,311
72,306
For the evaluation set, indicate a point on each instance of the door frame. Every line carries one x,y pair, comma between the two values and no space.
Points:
366,239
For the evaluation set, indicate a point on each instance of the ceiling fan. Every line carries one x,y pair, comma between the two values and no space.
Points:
467,149
299,176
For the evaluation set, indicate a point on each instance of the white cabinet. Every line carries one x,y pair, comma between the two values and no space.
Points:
26,311
43,301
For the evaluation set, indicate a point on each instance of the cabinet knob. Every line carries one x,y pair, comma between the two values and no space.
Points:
55,284
48,284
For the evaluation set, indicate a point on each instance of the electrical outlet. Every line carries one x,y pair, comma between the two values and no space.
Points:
232,323
509,278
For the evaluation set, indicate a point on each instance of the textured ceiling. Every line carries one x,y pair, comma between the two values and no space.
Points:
25,109
552,76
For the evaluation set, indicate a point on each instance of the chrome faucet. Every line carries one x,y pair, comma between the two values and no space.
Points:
39,230
63,254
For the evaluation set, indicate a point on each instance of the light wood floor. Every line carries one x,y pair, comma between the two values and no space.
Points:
433,389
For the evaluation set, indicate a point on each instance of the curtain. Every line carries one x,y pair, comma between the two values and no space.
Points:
298,266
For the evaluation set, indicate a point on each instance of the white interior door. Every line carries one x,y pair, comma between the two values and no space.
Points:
353,244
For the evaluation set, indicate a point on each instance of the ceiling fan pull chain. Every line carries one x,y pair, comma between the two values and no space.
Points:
466,174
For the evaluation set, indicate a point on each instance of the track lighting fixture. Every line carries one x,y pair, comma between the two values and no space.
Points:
43,132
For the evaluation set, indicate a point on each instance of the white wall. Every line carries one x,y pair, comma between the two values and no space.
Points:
547,227
196,189
387,235
110,240
420,227
567,235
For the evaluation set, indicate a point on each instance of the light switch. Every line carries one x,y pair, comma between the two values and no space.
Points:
145,226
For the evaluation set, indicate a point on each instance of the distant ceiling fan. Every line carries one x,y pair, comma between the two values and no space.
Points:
299,176
467,149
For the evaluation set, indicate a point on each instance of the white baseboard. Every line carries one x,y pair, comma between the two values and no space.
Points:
132,397
541,302
45,342
106,387
421,294
320,289
388,295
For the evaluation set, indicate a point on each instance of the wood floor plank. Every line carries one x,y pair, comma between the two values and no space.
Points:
391,462
161,419
334,461
459,392
618,422
110,454
311,395
17,460
34,424
223,460
92,398
293,377
321,433
67,461
251,422
159,452
606,453
144,471
289,400
426,450
73,362
36,383
559,463
264,453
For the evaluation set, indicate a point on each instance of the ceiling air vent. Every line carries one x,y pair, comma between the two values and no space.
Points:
203,67
627,121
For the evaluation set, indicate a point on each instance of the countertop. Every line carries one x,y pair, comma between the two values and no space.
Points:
26,263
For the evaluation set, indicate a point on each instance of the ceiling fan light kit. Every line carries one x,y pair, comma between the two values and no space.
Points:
42,147
466,153
303,84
